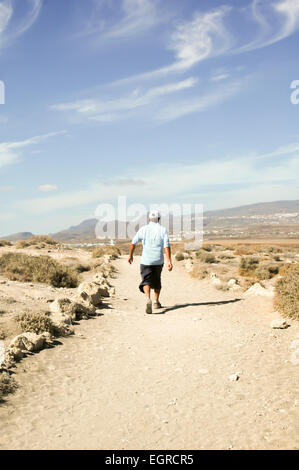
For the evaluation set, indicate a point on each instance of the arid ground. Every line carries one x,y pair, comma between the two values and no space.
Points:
127,380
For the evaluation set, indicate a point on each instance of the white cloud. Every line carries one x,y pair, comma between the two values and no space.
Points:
10,151
110,110
208,35
198,104
193,41
168,182
127,18
277,21
47,188
219,77
13,26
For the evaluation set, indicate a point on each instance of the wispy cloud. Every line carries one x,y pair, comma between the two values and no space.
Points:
198,104
209,35
276,21
12,27
203,37
127,18
46,188
10,152
192,180
109,110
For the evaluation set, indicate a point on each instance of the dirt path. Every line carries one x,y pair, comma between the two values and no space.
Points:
128,380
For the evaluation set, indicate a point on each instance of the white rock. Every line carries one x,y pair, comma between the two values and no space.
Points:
279,323
257,289
28,341
94,291
231,282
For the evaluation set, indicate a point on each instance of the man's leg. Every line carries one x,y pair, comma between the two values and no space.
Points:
147,291
156,295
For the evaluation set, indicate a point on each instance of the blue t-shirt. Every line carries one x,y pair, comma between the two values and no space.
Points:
154,238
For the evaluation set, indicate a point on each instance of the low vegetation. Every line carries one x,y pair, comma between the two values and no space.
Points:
41,269
35,322
179,256
37,241
7,384
5,243
286,299
106,250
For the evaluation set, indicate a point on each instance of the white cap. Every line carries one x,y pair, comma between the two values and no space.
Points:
154,215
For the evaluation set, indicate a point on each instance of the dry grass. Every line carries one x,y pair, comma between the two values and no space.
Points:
199,272
7,384
41,269
287,293
5,243
106,250
35,322
179,256
205,257
37,241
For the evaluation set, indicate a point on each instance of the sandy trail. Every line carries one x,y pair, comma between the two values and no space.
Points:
128,380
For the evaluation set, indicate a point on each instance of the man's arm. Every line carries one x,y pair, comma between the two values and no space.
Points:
167,251
132,248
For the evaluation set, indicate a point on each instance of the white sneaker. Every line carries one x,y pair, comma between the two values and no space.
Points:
148,307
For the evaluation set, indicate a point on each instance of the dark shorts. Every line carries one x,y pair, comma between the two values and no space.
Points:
150,275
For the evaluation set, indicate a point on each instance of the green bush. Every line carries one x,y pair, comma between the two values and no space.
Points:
25,268
286,299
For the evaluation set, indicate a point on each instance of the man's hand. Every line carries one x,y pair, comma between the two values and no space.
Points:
130,259
169,266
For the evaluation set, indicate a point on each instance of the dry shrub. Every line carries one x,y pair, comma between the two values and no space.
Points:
248,266
73,263
225,256
199,272
106,250
5,243
286,298
205,257
2,334
7,384
35,322
43,269
207,248
266,271
179,256
40,241
243,250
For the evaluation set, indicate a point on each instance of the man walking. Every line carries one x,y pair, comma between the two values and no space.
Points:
154,239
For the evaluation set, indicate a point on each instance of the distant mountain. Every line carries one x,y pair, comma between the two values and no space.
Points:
84,231
261,208
271,214
18,236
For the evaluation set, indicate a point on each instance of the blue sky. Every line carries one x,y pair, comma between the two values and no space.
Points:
162,101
